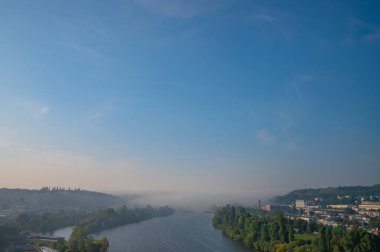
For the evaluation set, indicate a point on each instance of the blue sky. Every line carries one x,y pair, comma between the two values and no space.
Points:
193,96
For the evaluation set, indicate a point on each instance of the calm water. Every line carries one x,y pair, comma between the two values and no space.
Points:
62,232
179,232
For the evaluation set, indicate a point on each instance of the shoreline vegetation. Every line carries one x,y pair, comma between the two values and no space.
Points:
85,224
81,241
277,233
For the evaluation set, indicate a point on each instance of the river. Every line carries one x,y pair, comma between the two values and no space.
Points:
178,232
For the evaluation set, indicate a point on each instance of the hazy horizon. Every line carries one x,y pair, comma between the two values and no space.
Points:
214,100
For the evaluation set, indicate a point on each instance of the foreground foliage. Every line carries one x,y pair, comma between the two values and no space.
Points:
278,233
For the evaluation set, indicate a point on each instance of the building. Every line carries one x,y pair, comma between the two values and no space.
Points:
339,206
275,208
369,206
265,208
301,203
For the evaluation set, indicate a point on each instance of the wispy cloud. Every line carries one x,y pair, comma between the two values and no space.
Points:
274,21
96,118
79,48
43,111
295,87
182,9
373,37
264,136
291,145
360,31
36,108
264,17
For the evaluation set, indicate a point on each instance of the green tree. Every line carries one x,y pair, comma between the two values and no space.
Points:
290,233
328,238
273,231
322,239
80,242
264,236
358,240
282,232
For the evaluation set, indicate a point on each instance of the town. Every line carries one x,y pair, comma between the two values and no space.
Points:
363,213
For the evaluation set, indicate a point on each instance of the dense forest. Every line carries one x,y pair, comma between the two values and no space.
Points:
55,198
329,195
268,233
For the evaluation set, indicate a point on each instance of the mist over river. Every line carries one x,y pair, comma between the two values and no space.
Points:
178,232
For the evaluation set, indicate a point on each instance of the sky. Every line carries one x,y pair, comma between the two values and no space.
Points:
200,97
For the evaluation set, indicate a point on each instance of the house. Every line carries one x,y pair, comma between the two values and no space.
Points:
301,203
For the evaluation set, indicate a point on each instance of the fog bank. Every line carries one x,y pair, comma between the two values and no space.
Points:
196,201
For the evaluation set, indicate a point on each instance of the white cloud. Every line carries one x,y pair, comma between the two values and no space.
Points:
266,137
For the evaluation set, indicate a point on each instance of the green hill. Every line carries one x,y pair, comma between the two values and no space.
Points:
330,194
55,199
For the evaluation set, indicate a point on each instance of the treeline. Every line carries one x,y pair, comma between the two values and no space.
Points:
57,188
109,218
48,222
278,233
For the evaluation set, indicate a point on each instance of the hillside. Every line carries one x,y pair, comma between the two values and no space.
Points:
330,194
55,199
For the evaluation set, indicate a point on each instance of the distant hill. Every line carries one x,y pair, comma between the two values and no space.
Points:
330,195
55,199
